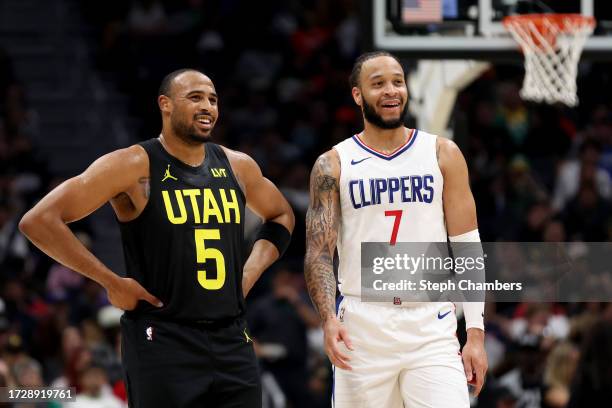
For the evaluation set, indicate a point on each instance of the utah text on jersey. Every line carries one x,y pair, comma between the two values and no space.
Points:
204,203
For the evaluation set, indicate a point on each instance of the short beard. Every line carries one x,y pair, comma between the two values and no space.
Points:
375,119
188,134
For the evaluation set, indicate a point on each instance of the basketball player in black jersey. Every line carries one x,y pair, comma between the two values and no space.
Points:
180,203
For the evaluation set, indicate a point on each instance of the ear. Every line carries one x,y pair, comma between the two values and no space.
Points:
165,104
356,92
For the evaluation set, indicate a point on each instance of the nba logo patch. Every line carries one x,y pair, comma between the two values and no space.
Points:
397,301
149,333
341,314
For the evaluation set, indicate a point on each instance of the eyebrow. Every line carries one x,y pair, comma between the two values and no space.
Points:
197,91
376,76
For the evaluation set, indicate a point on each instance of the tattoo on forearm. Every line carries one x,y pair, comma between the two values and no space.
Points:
322,220
145,186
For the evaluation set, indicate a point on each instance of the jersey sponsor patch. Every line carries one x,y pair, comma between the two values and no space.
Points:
218,172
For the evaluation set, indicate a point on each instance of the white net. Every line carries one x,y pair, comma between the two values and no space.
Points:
551,44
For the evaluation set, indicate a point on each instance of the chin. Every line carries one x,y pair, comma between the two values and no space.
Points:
390,121
199,137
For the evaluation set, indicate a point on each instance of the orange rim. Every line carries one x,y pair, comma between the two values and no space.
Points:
558,20
543,23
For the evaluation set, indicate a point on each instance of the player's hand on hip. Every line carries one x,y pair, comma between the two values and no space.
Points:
126,293
475,359
334,334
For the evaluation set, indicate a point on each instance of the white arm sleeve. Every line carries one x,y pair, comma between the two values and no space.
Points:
473,311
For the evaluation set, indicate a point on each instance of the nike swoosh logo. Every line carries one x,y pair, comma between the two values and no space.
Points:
443,316
354,162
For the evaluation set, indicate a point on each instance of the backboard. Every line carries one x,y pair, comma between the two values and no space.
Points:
472,29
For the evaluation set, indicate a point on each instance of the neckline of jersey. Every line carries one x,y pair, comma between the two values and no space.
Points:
388,156
181,164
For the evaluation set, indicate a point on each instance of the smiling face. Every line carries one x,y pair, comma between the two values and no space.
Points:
382,93
191,107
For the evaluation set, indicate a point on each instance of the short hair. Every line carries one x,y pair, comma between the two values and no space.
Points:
356,72
166,83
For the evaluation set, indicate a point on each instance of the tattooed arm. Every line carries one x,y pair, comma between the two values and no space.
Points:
117,176
322,221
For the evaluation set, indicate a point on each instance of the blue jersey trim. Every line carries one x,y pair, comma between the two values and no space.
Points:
382,155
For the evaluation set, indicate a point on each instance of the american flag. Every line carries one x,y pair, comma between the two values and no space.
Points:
422,11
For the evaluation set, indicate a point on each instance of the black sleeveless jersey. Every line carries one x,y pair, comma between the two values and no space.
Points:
187,245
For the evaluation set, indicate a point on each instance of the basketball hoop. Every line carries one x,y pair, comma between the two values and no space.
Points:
551,44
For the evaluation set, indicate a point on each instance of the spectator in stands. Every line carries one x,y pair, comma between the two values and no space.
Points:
75,357
584,169
592,385
281,320
28,373
95,390
513,113
588,215
558,374
13,249
525,381
147,17
599,128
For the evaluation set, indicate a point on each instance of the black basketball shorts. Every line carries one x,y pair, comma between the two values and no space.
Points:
171,364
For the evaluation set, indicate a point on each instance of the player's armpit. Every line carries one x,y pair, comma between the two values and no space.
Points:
322,222
458,201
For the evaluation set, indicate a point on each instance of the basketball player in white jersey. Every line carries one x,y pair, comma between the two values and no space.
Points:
389,355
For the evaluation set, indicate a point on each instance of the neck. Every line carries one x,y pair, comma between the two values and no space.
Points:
192,154
384,140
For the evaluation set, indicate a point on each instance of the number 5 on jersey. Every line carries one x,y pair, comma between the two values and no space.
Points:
203,254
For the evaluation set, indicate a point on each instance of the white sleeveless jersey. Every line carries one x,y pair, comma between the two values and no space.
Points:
371,183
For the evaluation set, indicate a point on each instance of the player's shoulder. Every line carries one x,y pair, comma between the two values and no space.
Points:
244,167
420,135
121,168
448,154
328,163
349,141
446,147
128,158
240,160
236,154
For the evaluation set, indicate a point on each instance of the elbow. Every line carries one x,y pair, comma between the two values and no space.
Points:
30,223
26,224
290,219
286,218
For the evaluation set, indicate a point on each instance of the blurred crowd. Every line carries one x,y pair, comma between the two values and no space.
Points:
538,173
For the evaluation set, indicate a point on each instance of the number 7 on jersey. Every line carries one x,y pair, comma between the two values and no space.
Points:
396,223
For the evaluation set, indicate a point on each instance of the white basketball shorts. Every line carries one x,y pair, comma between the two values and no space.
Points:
404,357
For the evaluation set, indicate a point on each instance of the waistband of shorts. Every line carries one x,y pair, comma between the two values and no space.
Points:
402,304
209,324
